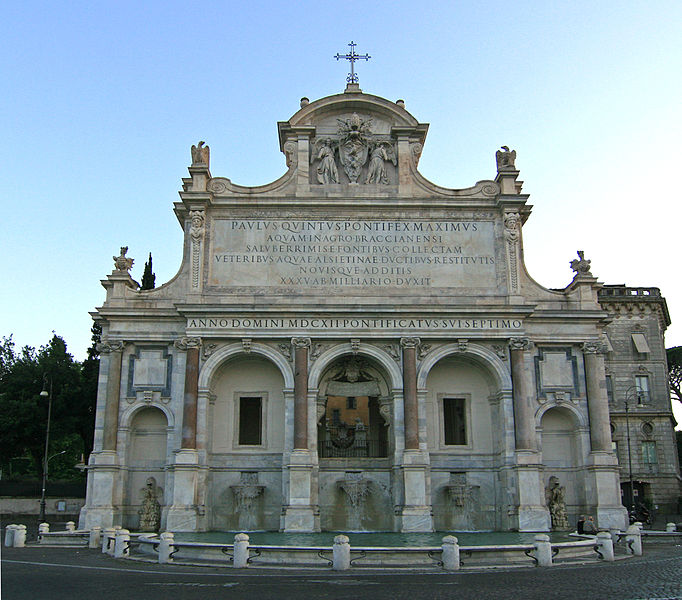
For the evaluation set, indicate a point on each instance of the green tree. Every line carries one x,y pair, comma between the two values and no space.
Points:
23,412
675,372
90,373
148,277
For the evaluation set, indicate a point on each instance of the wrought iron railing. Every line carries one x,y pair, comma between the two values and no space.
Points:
358,449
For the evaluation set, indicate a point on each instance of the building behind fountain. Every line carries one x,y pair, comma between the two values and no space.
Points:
354,347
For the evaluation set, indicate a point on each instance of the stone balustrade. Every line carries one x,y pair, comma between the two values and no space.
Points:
119,542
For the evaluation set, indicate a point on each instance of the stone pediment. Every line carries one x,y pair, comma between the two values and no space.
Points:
353,139
349,146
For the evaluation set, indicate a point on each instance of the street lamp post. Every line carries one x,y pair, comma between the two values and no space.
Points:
628,396
45,394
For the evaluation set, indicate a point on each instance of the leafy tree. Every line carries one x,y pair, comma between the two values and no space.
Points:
23,412
148,277
90,373
675,372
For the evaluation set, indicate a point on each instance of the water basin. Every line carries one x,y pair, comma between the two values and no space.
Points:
391,539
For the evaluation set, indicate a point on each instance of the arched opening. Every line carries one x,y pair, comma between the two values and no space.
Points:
246,429
354,429
352,424
147,456
563,466
462,427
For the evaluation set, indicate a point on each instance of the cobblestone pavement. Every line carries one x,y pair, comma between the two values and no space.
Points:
63,573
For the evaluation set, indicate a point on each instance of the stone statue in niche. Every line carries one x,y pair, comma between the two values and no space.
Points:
505,159
380,154
556,502
200,154
326,169
355,136
150,513
122,262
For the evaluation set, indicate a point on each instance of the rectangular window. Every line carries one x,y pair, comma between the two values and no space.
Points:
609,388
336,417
351,402
649,453
454,421
250,422
614,448
642,385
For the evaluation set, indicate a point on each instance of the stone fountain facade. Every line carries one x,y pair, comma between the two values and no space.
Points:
353,317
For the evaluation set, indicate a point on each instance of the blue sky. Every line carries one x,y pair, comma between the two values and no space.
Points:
102,100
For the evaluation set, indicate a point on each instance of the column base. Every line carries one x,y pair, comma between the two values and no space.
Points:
533,514
99,516
185,518
534,518
300,514
300,519
185,514
603,491
103,492
416,519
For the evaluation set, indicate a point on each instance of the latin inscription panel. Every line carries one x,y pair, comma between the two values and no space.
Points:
353,253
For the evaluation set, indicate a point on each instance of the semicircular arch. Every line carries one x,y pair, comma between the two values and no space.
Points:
579,419
383,358
129,414
475,352
226,352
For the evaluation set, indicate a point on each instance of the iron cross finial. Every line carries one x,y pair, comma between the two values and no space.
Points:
352,57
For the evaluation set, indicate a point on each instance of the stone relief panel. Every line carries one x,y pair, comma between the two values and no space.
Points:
150,370
353,150
556,374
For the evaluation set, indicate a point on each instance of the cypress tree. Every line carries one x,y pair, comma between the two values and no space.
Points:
148,277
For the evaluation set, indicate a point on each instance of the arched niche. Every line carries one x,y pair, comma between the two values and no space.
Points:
146,457
481,355
247,409
561,454
225,353
354,408
457,402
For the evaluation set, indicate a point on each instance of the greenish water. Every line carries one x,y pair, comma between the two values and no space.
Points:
465,538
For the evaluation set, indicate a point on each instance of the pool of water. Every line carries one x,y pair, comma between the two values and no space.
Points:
465,538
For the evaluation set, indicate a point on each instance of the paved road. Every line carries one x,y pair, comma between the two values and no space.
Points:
71,574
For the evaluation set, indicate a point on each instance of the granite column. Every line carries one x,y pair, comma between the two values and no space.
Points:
185,514
533,514
603,489
299,512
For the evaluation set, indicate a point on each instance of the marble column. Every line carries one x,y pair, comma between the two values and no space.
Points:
415,514
105,490
409,346
603,478
300,512
186,513
115,351
597,399
191,396
301,346
533,514
523,386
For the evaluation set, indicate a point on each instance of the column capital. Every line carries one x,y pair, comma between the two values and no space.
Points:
186,343
410,342
106,346
594,347
300,342
519,343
